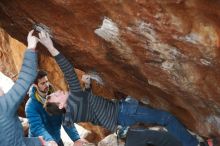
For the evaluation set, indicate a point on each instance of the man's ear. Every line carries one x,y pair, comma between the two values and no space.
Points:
61,106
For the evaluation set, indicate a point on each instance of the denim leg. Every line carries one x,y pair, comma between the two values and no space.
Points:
60,143
155,116
143,137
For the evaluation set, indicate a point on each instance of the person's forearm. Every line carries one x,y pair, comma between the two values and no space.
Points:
40,131
69,73
36,125
53,51
72,133
26,77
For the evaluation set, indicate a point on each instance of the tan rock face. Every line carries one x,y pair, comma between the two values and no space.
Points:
164,51
111,140
11,54
7,65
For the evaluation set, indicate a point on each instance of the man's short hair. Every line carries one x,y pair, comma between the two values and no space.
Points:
52,108
40,74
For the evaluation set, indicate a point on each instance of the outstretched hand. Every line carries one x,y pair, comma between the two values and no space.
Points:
47,42
46,143
32,40
80,142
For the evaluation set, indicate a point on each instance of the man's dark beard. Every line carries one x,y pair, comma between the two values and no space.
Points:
43,91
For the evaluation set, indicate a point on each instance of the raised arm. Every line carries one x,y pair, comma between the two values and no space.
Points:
72,133
11,101
66,67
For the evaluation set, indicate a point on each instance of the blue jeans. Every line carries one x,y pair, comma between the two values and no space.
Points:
131,113
145,137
